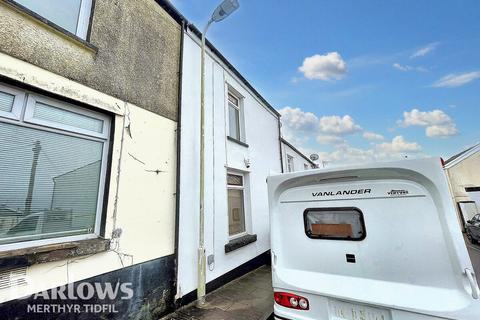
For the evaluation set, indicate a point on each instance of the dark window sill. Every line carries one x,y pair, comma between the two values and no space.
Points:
240,242
237,141
52,25
52,252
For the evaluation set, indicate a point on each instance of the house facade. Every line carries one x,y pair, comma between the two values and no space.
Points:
89,96
293,159
464,179
99,160
242,147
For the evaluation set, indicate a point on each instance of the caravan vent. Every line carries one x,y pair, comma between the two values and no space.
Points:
13,277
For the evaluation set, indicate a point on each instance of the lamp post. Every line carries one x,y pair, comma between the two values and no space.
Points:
220,13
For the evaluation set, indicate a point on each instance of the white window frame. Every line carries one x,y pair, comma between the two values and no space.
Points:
84,16
68,131
242,187
18,101
241,123
32,99
292,167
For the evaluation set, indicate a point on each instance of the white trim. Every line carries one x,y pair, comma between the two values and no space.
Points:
467,154
242,188
43,242
30,109
84,17
18,100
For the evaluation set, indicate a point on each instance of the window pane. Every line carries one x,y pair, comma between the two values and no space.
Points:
290,166
234,124
236,216
234,180
232,99
334,224
49,184
61,116
6,101
61,12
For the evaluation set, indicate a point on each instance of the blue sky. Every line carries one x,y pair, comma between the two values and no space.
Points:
359,80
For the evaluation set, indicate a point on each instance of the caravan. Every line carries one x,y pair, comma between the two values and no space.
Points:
370,242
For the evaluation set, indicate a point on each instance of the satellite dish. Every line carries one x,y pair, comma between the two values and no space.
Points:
314,157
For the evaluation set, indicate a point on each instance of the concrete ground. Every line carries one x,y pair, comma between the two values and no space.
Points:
247,298
474,252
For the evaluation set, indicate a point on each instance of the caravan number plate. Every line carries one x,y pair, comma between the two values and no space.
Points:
340,310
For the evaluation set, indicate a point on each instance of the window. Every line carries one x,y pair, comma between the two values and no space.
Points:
290,166
236,209
334,223
234,115
71,15
53,164
305,166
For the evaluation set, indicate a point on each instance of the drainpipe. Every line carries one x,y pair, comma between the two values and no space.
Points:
179,130
280,143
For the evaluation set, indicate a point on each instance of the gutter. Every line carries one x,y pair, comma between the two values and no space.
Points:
178,133
280,139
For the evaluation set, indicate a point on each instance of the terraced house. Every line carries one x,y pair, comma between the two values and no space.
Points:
99,161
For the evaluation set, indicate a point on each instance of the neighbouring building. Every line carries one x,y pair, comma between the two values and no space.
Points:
242,149
293,159
464,177
89,99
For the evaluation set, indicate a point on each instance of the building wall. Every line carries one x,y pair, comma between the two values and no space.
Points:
465,174
299,162
133,76
138,45
220,155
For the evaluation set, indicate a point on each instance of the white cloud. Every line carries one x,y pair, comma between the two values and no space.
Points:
297,119
324,67
425,50
327,139
436,122
398,145
456,79
336,125
372,136
405,68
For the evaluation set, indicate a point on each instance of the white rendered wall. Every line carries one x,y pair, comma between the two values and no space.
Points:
261,131
298,160
145,208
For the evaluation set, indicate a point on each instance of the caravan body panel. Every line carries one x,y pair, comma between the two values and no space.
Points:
380,241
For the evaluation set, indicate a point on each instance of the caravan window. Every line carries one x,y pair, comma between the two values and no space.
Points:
334,223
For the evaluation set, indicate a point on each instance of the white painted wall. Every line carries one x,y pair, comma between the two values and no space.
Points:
145,209
261,131
299,162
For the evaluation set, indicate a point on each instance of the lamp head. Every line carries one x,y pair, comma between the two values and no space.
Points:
225,9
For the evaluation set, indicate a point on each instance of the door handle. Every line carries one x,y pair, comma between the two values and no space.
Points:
473,283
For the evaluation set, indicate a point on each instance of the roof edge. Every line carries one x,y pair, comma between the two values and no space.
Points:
297,151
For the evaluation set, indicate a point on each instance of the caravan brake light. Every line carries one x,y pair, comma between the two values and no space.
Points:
290,300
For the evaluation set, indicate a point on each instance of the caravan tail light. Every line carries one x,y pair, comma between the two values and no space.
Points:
290,300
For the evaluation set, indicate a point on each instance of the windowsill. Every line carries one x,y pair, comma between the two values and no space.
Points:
240,242
237,141
52,252
65,33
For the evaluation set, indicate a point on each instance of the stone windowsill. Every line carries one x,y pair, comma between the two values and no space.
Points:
240,242
237,141
52,252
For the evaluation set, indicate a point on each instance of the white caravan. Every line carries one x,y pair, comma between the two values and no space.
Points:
370,242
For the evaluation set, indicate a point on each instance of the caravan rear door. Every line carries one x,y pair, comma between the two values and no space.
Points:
373,242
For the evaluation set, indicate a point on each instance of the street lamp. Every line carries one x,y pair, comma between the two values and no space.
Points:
220,13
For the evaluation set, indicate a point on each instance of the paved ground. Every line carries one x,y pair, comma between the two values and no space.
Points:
474,252
247,298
